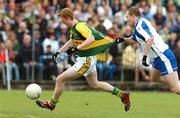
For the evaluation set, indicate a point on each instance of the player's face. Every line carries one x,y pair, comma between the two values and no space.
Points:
66,21
129,19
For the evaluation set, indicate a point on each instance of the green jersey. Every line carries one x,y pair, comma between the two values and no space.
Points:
81,31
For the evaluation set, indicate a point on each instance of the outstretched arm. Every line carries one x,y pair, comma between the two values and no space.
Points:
87,42
128,40
66,46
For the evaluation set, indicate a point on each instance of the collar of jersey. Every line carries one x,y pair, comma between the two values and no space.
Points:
137,21
76,24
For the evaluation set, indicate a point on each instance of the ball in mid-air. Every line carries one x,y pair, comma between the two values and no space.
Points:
33,91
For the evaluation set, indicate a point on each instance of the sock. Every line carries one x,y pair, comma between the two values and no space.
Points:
116,92
54,102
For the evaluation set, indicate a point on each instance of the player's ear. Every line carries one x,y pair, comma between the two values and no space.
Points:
68,18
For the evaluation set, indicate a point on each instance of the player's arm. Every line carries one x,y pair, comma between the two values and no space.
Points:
147,46
128,40
148,37
87,42
85,32
66,46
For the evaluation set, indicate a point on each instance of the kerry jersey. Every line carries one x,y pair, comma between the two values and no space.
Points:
81,31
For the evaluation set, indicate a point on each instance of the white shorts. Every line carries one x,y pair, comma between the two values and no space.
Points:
85,65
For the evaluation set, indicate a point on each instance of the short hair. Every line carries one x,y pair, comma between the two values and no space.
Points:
134,11
66,12
48,46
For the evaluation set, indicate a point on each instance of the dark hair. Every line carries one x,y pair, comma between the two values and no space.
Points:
48,46
134,11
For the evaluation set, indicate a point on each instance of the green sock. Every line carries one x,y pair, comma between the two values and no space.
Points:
54,102
116,92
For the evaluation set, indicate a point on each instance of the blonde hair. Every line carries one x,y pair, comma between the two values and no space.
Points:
134,11
66,12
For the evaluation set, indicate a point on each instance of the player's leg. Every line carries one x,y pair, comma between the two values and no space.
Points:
172,81
99,85
95,84
168,69
69,74
154,75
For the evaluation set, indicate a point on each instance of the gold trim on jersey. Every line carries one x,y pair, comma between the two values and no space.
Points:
96,43
85,66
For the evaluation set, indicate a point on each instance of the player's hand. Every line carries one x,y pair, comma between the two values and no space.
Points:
119,40
55,56
144,61
72,50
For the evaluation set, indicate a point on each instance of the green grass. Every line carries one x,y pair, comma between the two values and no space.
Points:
90,104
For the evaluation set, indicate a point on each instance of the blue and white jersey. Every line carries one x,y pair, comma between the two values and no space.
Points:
144,30
161,57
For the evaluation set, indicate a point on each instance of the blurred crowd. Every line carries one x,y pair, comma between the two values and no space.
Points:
30,32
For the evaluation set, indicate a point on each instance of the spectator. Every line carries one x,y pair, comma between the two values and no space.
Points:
159,18
50,40
26,58
50,68
172,41
176,25
12,65
100,26
2,53
22,29
115,6
121,13
103,61
42,21
113,62
16,16
11,18
146,12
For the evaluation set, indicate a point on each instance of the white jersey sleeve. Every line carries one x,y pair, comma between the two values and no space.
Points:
143,28
143,31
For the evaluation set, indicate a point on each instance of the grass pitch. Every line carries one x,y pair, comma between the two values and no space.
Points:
91,104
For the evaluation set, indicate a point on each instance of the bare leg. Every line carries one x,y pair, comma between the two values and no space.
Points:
173,82
154,75
143,73
69,74
95,84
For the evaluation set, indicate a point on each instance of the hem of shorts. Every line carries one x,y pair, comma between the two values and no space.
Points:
165,73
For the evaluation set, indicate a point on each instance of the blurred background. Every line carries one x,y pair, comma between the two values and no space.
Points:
30,32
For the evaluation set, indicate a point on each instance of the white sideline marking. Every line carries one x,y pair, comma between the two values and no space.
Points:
31,116
11,115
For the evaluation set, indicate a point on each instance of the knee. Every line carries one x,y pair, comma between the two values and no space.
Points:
94,86
176,90
59,80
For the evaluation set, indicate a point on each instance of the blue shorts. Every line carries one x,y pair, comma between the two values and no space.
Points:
166,62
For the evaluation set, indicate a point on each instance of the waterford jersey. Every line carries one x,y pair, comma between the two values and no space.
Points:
144,30
81,31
